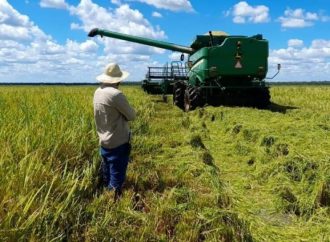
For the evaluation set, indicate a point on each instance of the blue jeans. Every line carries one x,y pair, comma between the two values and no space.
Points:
114,165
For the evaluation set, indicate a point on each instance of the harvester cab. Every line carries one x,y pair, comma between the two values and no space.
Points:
223,69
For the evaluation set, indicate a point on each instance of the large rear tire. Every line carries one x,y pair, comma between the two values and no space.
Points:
263,98
258,97
248,97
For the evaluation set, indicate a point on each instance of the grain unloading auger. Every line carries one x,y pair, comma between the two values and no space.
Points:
223,69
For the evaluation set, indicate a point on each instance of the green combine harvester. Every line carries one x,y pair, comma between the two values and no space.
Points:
222,69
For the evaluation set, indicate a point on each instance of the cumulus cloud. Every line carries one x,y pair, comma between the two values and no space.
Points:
9,16
61,4
23,45
176,56
27,53
173,5
299,18
116,2
122,19
242,13
16,26
303,63
75,26
157,15
295,43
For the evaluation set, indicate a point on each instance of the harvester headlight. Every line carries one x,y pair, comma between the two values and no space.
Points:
213,71
261,70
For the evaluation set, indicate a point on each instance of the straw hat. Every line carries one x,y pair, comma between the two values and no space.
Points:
112,74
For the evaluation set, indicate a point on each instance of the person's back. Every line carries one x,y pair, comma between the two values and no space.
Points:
112,113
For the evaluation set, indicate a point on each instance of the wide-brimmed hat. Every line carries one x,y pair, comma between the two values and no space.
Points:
112,74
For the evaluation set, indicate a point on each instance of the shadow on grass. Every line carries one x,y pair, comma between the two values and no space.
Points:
273,107
159,99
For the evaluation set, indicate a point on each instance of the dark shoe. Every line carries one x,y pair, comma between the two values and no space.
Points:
118,194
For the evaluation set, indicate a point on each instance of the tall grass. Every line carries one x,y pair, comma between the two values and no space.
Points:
214,174
277,163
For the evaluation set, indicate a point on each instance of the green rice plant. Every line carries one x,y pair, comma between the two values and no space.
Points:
213,174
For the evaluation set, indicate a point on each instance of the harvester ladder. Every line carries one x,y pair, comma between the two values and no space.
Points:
178,70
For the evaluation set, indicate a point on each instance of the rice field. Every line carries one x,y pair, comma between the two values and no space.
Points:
213,174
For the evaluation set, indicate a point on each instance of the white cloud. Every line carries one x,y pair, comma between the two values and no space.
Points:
157,15
295,43
75,26
27,53
89,46
10,16
116,2
176,56
16,26
303,63
11,32
124,20
173,5
61,4
299,18
242,12
23,45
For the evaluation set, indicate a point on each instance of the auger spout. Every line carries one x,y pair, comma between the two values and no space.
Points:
141,40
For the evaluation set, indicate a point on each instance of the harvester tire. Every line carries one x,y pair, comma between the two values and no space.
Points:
164,98
178,94
192,98
263,98
187,105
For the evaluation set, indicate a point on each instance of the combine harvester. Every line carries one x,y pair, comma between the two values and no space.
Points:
222,69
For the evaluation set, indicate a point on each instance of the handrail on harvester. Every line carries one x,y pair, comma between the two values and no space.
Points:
141,40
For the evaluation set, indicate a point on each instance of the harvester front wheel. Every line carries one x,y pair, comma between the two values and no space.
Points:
192,98
178,94
164,98
187,105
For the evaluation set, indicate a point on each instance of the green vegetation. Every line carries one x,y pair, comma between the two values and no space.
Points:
214,174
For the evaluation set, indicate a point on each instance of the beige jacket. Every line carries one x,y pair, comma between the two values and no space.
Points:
112,113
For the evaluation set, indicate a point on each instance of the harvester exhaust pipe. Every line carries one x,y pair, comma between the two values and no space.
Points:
278,71
211,38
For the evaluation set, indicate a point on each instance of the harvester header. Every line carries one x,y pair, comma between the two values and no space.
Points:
141,40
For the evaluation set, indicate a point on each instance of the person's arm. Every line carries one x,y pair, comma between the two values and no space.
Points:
123,107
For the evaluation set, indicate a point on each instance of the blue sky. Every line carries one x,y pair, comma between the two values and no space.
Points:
46,40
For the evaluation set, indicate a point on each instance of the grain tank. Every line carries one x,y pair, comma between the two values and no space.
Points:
223,69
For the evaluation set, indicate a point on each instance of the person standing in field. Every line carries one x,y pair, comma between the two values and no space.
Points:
112,113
